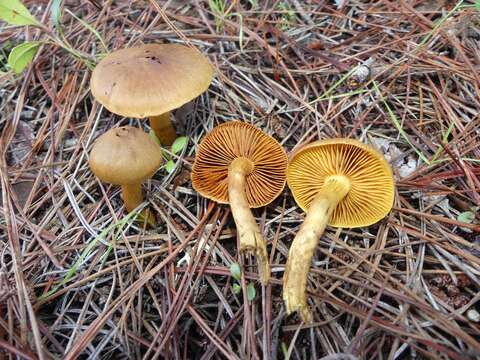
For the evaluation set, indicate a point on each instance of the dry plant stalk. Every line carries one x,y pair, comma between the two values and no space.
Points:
339,182
238,164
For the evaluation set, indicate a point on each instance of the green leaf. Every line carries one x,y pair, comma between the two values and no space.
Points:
236,288
477,4
22,55
235,271
15,13
55,12
169,166
152,134
251,292
466,217
179,144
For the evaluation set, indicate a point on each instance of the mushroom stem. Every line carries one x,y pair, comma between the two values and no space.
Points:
301,252
163,128
132,196
248,231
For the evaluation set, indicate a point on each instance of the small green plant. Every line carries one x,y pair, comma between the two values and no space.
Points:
398,125
115,228
235,271
178,145
251,292
14,12
466,217
56,13
218,8
287,15
236,288
222,13
22,55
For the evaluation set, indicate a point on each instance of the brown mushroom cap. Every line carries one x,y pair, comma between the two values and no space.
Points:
371,195
232,140
125,155
151,79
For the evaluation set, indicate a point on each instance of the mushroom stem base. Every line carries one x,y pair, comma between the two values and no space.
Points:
305,242
132,196
163,128
249,235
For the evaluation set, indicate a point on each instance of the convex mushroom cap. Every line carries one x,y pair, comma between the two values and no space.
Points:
150,80
371,195
125,155
234,140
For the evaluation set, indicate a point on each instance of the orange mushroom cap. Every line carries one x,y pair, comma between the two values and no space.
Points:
232,140
372,186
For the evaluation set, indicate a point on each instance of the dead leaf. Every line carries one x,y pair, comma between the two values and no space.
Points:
22,142
22,190
182,178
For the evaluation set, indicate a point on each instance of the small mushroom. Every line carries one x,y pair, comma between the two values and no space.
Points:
338,182
150,81
238,164
126,156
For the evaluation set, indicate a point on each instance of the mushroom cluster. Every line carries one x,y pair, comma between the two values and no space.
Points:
145,81
337,182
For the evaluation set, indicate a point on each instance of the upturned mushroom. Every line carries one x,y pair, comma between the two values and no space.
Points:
126,156
237,164
337,182
150,81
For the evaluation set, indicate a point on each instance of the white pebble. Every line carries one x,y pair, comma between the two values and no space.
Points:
473,315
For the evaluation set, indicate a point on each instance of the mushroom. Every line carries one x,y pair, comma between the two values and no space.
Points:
150,81
126,156
337,182
238,164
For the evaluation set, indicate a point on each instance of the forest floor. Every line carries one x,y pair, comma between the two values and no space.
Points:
80,278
